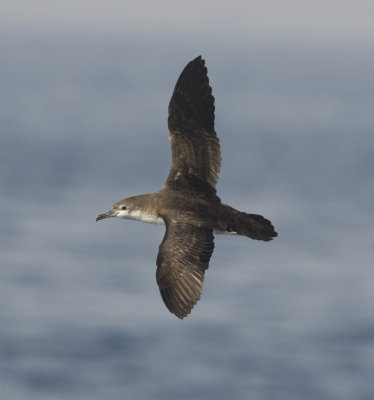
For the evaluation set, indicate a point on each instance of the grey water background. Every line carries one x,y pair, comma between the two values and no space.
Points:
83,124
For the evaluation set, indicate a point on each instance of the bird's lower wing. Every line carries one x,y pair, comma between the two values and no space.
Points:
181,263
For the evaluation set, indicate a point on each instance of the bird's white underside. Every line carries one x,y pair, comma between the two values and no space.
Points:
152,219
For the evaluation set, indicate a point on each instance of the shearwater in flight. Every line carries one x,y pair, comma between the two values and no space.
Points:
188,204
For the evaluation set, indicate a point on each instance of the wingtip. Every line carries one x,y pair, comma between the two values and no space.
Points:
198,59
181,315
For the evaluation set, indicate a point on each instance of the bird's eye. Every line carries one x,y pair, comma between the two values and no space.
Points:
123,208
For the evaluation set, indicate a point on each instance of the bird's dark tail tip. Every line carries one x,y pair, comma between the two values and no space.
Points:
255,227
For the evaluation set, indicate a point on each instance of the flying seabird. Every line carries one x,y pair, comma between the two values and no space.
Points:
188,203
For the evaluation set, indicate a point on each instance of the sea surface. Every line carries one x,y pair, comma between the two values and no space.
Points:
83,124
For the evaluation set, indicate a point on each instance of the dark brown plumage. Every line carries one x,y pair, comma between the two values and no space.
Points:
182,260
188,204
196,154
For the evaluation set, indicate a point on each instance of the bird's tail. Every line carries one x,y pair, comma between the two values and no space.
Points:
251,225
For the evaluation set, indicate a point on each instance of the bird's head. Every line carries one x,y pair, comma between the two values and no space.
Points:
122,209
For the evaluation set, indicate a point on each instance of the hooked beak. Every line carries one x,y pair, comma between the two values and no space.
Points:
110,213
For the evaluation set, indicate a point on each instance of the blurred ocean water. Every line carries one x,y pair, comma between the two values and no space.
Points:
83,124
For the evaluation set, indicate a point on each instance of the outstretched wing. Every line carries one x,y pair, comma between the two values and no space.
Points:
181,263
196,155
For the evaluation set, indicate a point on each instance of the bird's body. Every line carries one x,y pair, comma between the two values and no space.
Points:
188,204
215,215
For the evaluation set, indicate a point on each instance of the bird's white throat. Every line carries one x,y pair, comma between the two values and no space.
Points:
140,216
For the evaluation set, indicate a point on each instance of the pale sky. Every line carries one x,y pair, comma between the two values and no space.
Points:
330,19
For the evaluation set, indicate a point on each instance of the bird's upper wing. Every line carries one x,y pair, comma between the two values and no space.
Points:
182,259
196,155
